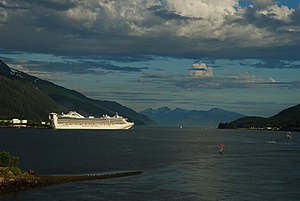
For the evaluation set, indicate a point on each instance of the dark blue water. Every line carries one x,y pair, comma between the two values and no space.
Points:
178,164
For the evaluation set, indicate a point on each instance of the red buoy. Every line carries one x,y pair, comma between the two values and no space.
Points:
221,149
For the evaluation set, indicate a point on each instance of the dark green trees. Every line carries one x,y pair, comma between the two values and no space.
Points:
8,160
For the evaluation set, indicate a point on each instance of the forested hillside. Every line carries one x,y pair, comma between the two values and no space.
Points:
23,100
288,119
26,96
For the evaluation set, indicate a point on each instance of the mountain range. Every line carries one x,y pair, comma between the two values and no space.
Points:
26,96
182,117
287,119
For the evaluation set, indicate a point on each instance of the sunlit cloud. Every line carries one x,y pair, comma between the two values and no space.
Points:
154,27
201,70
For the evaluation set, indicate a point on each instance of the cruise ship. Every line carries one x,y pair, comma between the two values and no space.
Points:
74,120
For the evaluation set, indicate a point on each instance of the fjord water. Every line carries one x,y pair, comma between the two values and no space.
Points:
178,164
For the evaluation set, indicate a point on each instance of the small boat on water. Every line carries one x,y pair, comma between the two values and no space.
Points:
221,149
289,135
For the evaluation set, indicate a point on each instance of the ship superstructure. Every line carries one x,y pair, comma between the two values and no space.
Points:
74,120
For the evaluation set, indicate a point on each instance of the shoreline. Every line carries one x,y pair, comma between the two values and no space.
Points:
25,127
22,184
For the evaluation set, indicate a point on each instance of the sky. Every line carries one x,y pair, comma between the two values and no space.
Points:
238,55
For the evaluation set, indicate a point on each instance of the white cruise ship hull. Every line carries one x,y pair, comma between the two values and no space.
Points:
73,120
95,127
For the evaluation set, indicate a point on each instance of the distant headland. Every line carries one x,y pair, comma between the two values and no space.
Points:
288,120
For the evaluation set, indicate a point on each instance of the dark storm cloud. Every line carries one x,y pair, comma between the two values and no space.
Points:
11,6
81,67
121,58
84,28
60,5
165,14
111,67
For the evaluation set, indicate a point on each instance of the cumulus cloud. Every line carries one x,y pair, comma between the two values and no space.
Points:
262,11
162,27
201,70
211,10
248,77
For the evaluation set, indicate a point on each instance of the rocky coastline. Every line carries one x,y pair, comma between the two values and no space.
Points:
16,184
